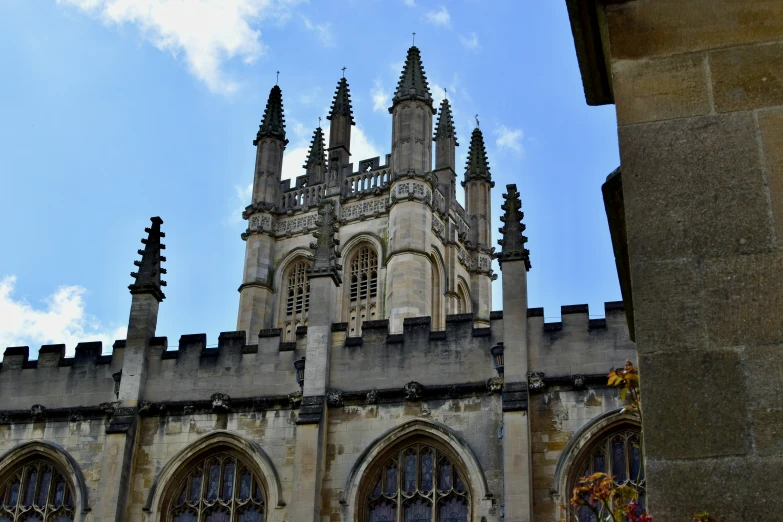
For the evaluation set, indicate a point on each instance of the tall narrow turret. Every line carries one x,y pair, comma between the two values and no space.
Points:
409,268
270,143
478,183
341,118
412,118
445,151
315,166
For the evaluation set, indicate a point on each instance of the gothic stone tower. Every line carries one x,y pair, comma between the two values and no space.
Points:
409,248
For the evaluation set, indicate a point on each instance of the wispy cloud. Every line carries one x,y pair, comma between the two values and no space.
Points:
509,138
439,17
60,319
322,31
206,33
470,42
380,98
409,3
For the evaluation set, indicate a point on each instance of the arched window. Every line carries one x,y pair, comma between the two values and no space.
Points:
436,299
617,454
463,300
297,298
218,488
36,491
363,298
417,483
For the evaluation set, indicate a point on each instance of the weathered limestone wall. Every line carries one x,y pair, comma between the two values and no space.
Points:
699,98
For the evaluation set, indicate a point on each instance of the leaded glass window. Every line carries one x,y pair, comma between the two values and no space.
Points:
364,289
219,488
418,483
297,298
618,455
36,492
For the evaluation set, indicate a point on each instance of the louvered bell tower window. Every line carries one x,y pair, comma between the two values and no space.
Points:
364,289
297,298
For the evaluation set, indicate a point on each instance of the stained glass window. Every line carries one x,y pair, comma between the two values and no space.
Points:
417,483
225,495
617,454
364,289
297,294
35,492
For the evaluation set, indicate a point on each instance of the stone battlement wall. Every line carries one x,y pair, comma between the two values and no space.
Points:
458,355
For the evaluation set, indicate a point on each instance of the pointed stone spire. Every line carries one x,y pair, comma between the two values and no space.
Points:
316,157
325,253
477,166
513,242
445,127
413,82
341,103
148,277
273,122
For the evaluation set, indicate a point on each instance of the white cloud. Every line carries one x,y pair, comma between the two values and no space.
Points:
438,93
440,17
409,3
322,31
470,42
61,320
509,138
380,98
206,33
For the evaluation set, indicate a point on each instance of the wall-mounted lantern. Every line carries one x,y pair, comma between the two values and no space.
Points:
300,369
497,357
117,378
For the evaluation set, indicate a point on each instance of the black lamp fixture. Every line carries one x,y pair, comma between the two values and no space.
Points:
497,357
117,378
300,369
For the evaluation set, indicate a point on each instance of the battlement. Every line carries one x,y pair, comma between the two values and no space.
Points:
377,359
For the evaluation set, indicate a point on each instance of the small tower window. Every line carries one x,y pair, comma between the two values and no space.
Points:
297,298
363,289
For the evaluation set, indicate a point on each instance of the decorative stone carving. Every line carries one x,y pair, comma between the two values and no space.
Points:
413,391
260,405
73,416
535,380
334,398
372,397
579,382
220,401
145,406
38,412
494,385
109,407
188,409
295,399
5,419
513,241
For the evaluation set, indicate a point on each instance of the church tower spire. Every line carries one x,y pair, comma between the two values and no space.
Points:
270,143
341,118
445,153
315,166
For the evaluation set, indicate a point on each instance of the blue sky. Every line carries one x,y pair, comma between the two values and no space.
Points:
118,110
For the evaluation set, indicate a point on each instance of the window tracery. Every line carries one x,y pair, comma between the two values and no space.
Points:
218,488
617,454
297,298
363,289
418,483
36,492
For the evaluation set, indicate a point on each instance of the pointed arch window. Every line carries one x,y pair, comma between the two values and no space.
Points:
618,455
363,299
37,491
297,298
417,483
218,488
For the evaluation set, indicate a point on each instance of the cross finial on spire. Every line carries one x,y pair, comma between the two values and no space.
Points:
344,68
277,80
414,38
319,121
477,121
445,92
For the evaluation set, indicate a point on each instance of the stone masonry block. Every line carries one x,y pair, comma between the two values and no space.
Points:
660,88
768,430
694,187
647,28
697,403
743,297
748,77
764,375
771,128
